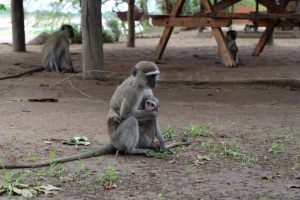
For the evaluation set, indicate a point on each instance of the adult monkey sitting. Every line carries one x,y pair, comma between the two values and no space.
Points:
56,50
124,113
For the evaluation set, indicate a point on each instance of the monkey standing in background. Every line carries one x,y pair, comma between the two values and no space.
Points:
131,120
56,50
231,41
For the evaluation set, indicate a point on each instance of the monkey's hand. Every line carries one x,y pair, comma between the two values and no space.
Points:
162,147
116,119
142,115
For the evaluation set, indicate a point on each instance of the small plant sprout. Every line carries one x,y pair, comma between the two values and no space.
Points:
110,178
10,180
276,147
197,130
231,148
208,145
34,158
169,133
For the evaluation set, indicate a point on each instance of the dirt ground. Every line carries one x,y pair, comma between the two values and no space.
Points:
248,146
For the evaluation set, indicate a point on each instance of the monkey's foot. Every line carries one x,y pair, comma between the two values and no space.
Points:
149,152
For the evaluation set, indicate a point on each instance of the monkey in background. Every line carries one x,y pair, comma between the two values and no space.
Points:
230,39
56,50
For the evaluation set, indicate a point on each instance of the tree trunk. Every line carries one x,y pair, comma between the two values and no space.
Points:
131,25
92,55
17,15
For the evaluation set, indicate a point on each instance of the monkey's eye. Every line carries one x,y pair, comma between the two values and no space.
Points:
150,104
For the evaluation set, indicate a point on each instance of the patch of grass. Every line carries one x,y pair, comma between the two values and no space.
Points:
34,158
82,165
229,148
160,196
163,154
110,175
198,130
284,136
232,149
10,180
190,169
279,141
57,171
208,145
169,133
236,124
276,147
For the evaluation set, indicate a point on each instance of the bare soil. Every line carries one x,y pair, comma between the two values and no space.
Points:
250,132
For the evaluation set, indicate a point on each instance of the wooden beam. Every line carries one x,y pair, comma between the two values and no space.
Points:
223,5
273,7
219,36
92,43
270,27
191,22
131,24
264,38
168,30
281,23
250,16
18,31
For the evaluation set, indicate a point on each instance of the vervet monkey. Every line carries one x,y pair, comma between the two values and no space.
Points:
124,133
56,51
251,28
231,42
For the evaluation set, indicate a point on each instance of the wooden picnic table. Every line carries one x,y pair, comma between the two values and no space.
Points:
214,17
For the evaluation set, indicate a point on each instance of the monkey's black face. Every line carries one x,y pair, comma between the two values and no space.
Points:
69,29
152,80
71,33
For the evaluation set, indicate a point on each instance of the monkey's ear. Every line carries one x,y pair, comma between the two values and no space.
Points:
134,71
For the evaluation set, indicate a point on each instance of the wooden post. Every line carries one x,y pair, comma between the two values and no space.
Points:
131,24
168,30
18,30
92,55
273,7
296,29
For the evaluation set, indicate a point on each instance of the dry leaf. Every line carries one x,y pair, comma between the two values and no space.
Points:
203,157
198,162
27,193
48,189
109,185
47,142
21,185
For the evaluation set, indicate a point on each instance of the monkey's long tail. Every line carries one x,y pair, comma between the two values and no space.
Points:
31,71
109,149
184,141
